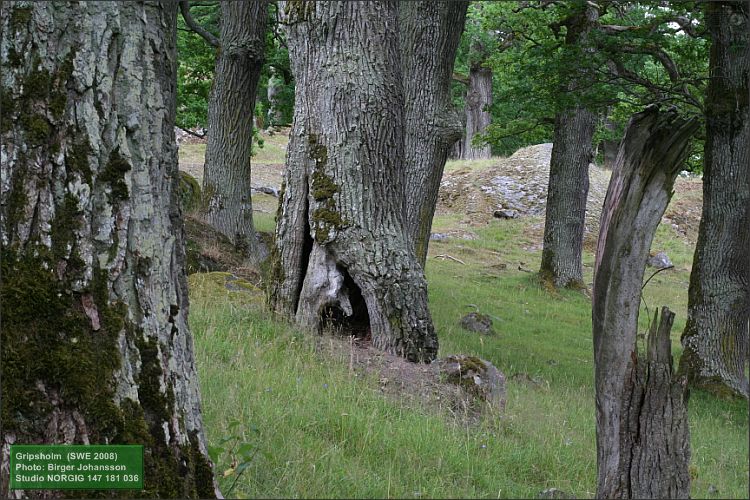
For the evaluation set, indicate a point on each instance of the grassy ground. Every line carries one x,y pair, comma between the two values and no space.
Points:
314,429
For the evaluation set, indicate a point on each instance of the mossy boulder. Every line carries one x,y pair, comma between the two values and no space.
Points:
476,376
477,322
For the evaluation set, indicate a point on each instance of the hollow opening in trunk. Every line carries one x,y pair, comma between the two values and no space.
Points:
307,246
358,324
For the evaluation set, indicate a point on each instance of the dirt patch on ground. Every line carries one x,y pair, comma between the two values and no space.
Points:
415,385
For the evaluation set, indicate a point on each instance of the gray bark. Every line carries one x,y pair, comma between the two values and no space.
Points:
95,337
344,183
717,338
226,179
429,36
572,152
566,198
640,410
478,101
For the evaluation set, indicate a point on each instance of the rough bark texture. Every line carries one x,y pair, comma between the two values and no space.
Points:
476,115
637,425
657,434
226,180
717,335
478,102
566,198
429,36
344,183
95,340
572,152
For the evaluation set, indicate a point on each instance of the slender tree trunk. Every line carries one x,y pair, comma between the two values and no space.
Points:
95,340
429,36
344,184
566,198
717,337
478,101
641,420
226,180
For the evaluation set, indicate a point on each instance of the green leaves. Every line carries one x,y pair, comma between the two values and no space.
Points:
232,456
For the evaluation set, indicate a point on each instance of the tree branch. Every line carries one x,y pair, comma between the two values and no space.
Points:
658,54
197,28
196,134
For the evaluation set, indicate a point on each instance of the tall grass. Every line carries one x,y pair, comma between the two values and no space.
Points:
327,432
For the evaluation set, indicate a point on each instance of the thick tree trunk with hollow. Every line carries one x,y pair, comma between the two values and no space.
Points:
95,341
641,422
717,335
566,198
344,184
429,36
226,179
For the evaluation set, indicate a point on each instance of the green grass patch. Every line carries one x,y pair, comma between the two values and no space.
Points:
324,432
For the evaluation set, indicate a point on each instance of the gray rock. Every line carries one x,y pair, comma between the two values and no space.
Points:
477,322
659,261
553,493
476,376
438,236
505,214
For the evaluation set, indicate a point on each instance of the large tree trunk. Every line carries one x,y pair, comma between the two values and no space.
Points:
95,340
344,184
429,36
717,337
641,420
478,102
572,152
226,179
566,198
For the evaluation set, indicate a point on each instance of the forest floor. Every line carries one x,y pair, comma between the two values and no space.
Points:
326,417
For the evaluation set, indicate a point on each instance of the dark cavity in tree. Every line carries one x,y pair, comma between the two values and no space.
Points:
358,323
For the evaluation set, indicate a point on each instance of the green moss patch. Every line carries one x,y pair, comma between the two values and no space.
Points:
48,338
114,175
20,17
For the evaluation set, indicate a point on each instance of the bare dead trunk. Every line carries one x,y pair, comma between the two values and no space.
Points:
344,183
429,36
641,422
717,335
95,340
226,180
566,198
478,101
